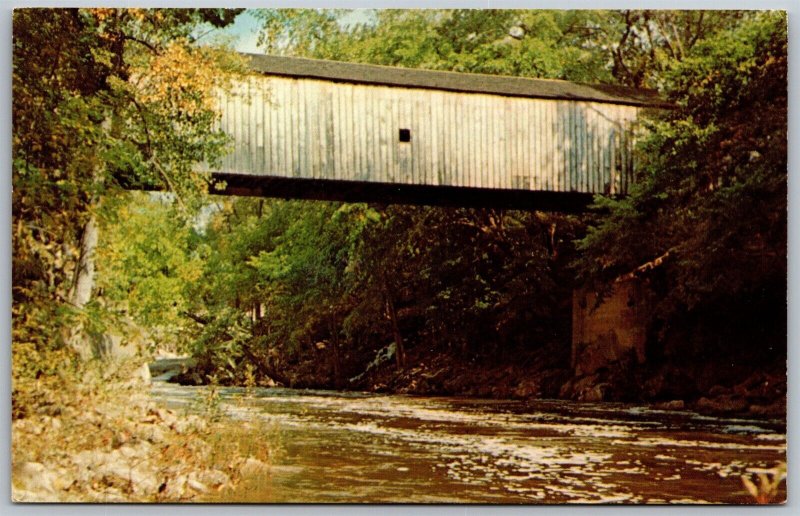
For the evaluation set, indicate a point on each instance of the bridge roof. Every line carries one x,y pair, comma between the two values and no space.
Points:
452,81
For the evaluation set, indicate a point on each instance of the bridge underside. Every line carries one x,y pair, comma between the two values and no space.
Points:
388,193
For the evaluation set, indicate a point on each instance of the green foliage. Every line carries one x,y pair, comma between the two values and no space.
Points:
710,206
101,98
285,260
546,44
147,263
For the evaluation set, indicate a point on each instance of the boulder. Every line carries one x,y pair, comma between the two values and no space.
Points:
174,488
154,434
528,388
593,393
722,405
670,405
143,374
196,485
718,390
591,388
35,478
565,392
774,409
213,478
140,479
669,382
267,382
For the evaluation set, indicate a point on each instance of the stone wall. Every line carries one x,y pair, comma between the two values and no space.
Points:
609,331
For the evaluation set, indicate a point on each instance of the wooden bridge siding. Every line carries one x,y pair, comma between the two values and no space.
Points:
319,129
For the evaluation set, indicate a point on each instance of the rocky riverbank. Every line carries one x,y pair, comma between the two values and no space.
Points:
758,392
711,387
102,439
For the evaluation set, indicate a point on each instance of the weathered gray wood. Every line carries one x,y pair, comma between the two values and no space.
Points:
308,127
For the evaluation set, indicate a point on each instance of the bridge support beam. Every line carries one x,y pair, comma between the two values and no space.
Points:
396,193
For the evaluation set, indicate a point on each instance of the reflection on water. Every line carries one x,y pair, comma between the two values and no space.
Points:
356,447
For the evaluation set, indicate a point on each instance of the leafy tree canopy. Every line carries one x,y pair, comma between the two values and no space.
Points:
101,97
709,209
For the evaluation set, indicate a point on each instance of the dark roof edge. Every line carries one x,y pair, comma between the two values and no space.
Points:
453,81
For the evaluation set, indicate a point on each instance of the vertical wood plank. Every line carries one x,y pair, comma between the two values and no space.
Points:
459,141
587,146
417,139
536,133
261,134
576,140
348,135
366,133
453,176
432,168
556,173
408,109
440,139
280,100
240,135
250,122
561,158
357,109
515,178
599,147
368,141
390,142
373,112
342,164
290,122
393,147
475,144
466,137
530,142
293,116
486,137
580,150
321,121
272,113
326,130
298,108
522,143
338,127
549,114
313,142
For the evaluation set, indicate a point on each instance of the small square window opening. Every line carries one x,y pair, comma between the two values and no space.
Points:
405,135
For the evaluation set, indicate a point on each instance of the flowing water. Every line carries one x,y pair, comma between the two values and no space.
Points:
358,447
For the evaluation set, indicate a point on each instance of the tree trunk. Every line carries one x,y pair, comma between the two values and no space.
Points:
400,352
82,285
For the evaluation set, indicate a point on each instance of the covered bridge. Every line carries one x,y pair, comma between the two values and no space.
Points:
306,128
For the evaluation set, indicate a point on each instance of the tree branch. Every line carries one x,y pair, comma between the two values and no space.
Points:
142,42
652,264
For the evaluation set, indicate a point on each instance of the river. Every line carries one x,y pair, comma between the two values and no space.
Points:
361,447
